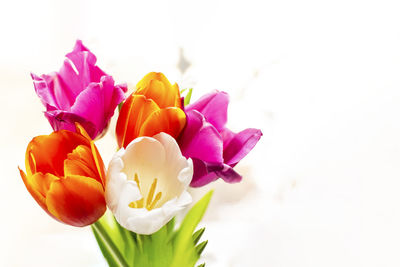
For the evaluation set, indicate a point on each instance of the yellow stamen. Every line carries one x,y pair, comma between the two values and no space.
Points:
137,204
151,193
156,199
149,203
140,203
137,180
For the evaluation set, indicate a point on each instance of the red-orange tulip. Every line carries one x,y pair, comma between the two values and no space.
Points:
66,176
154,107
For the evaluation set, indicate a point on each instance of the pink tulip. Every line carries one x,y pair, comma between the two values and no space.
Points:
80,92
214,149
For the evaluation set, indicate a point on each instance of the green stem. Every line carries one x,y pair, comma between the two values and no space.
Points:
115,253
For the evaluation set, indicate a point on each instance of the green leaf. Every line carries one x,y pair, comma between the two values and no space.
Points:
201,265
107,246
162,252
168,247
194,216
185,253
197,235
120,106
170,225
120,236
128,244
201,247
188,96
107,255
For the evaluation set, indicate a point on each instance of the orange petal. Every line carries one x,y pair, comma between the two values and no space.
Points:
169,120
76,200
82,131
157,87
46,153
101,169
38,185
152,76
81,162
98,161
178,100
134,112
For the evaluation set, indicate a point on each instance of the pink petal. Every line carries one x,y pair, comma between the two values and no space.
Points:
97,103
63,120
52,91
79,92
79,69
200,139
229,175
201,175
214,107
237,146
205,173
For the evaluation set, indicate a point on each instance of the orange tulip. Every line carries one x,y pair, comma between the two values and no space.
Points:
66,176
154,107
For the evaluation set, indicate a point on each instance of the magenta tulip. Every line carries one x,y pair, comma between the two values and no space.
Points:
80,92
214,149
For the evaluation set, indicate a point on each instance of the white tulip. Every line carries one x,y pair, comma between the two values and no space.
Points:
147,183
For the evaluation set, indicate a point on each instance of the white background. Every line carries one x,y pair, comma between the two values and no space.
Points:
320,78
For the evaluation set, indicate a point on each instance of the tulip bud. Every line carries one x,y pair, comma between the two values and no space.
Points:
66,176
79,93
153,108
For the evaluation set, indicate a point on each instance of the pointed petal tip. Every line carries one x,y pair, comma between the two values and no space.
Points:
82,131
35,77
79,47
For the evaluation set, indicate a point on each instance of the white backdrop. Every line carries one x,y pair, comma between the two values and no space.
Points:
320,78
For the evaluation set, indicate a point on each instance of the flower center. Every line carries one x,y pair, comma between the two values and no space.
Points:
148,201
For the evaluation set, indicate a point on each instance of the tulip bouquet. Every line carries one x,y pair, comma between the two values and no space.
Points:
165,146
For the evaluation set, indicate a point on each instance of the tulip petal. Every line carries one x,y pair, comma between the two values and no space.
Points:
80,92
80,162
201,175
145,81
134,112
48,152
182,168
146,222
117,181
229,175
97,160
237,146
99,163
79,69
214,107
51,91
37,185
145,157
205,173
169,120
157,87
76,200
32,185
103,99
200,139
64,120
81,130
148,166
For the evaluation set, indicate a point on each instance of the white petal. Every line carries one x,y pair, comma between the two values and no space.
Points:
177,168
145,157
148,158
186,175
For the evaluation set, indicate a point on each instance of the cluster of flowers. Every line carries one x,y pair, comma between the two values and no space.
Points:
164,147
